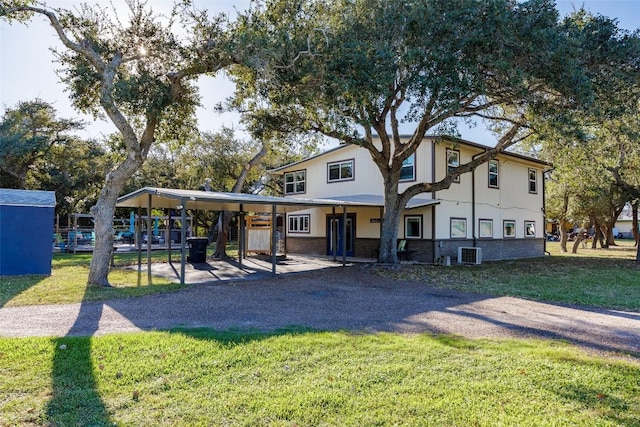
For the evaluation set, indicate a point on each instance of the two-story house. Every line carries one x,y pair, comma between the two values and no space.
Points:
499,207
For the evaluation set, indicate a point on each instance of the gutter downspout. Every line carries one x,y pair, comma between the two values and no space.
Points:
433,207
544,211
473,200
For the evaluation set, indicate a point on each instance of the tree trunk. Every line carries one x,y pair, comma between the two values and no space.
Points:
634,221
388,251
598,236
609,238
579,239
224,219
564,236
103,213
223,225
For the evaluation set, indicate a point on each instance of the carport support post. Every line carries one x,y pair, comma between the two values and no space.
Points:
274,240
168,235
139,241
344,236
183,238
149,239
241,236
334,234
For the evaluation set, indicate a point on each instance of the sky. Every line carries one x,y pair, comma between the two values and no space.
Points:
27,70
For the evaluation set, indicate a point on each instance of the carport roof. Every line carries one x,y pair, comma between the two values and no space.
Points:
170,198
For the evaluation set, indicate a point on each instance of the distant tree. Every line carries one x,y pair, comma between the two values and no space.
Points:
226,163
29,132
141,75
596,152
75,172
355,70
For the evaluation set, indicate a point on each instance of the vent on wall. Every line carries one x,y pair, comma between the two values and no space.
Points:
469,255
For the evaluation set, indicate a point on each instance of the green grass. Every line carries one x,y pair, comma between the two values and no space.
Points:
608,278
67,282
305,378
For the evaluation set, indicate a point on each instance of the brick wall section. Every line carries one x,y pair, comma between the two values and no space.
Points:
364,248
422,250
511,249
307,245
497,249
367,248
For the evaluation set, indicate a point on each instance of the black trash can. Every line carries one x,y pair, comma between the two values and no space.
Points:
197,249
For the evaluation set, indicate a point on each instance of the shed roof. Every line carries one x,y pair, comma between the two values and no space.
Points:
34,198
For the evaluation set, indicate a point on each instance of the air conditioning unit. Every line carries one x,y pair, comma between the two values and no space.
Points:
469,255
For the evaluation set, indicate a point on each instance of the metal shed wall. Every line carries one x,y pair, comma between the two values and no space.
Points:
26,232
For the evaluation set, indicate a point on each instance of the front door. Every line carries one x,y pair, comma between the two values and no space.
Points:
336,234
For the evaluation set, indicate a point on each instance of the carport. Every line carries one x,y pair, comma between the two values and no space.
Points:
176,199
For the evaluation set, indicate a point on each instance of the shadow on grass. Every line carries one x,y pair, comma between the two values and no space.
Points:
13,286
616,409
75,399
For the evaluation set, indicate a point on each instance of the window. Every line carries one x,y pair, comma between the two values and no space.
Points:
493,173
458,228
413,227
529,229
408,171
453,161
299,223
294,182
340,171
509,227
533,181
485,228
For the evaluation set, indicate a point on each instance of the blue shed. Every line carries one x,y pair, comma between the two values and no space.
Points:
26,231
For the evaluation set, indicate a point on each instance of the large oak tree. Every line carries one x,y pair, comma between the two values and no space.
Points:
358,70
140,71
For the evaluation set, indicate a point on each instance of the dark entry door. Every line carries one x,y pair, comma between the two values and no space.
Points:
336,234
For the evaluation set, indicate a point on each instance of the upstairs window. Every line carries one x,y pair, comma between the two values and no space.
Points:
295,182
493,173
408,171
340,171
453,161
533,181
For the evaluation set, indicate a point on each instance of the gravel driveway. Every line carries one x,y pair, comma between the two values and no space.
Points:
347,298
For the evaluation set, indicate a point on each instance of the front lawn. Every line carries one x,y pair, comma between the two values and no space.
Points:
608,278
305,378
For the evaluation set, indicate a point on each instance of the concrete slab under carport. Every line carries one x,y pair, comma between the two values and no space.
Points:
253,267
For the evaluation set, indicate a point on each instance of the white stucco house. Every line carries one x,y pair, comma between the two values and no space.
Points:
624,224
498,208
